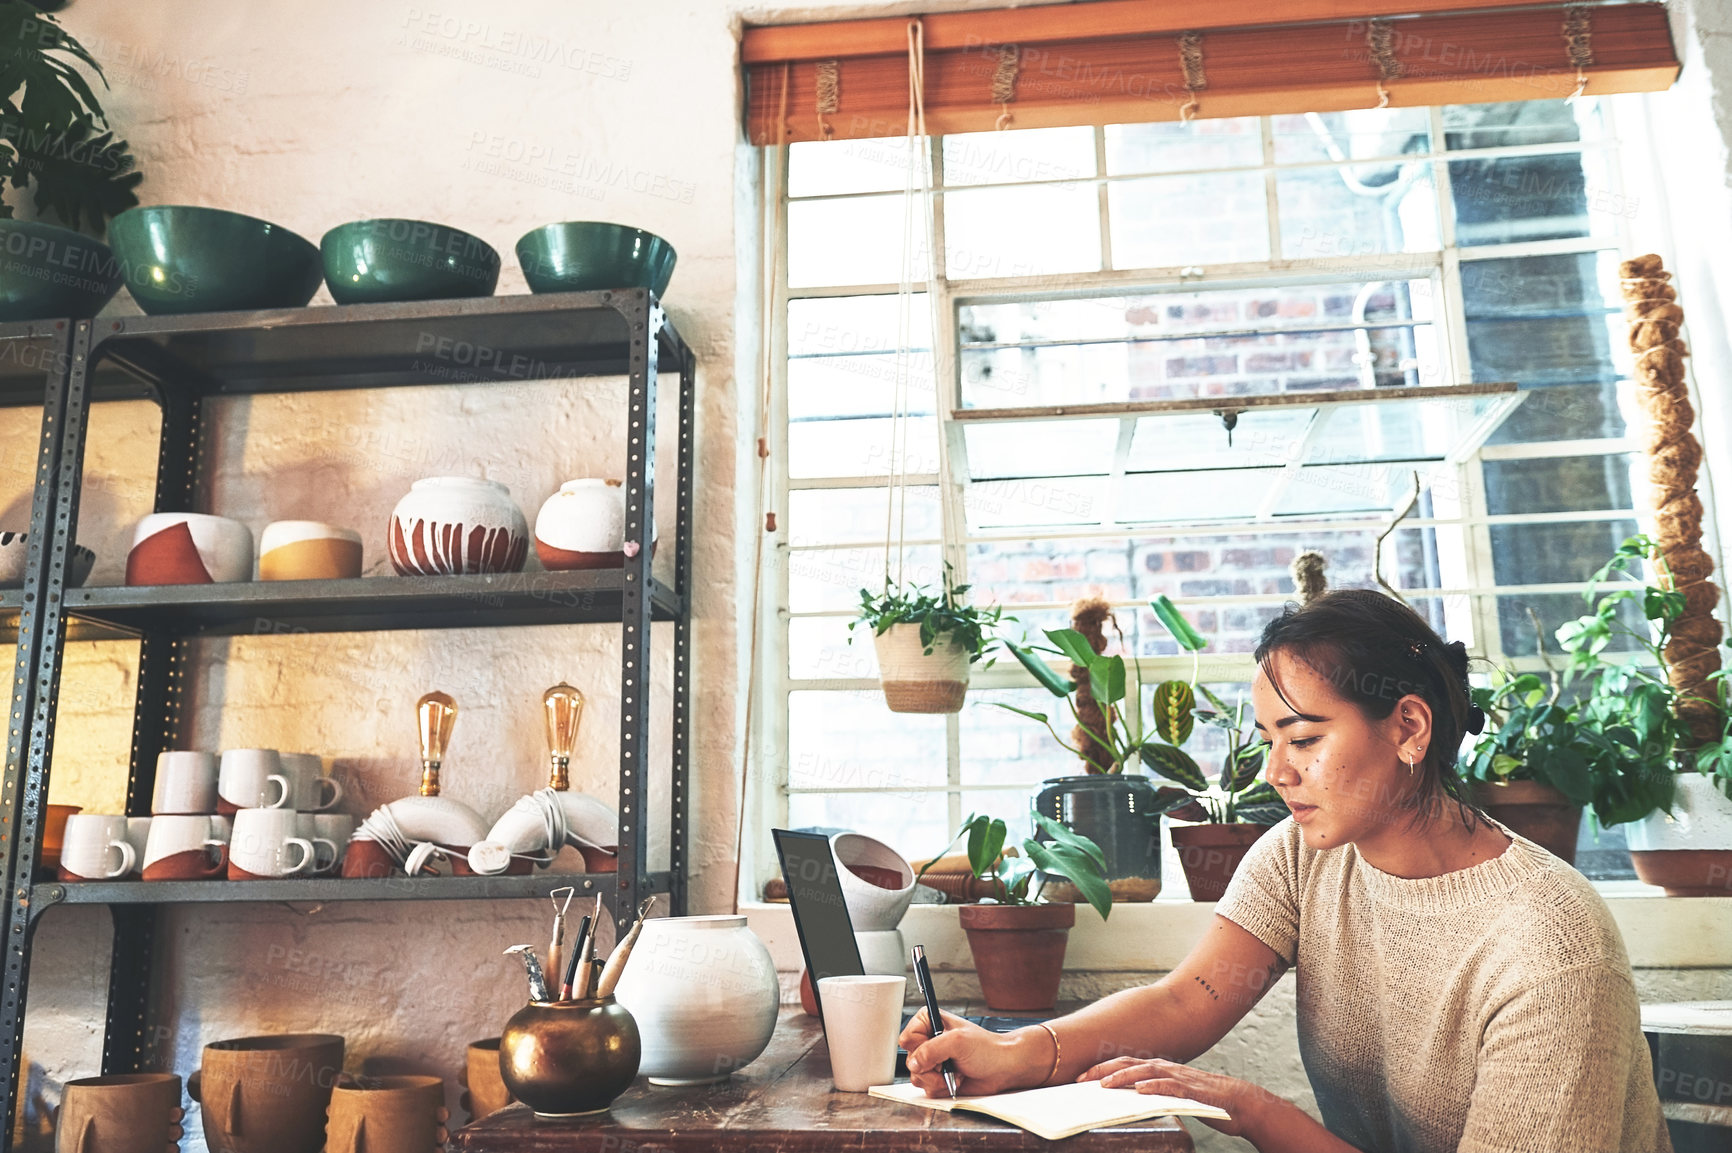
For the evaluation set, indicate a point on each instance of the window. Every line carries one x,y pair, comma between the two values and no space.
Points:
1271,326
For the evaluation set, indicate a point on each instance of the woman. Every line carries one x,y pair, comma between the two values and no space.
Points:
1459,988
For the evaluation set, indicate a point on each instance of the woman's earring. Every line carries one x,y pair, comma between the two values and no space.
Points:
1412,765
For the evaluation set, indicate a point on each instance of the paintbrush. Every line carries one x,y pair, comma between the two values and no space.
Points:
532,965
616,960
579,954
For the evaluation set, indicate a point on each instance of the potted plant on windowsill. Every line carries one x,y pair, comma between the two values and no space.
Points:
1531,768
1018,939
925,642
1104,698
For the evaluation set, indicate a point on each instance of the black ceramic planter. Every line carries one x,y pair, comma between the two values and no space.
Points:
1117,812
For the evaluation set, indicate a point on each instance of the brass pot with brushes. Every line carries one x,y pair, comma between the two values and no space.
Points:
573,1055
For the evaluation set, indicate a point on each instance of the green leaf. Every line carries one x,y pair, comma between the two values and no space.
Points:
1215,702
1261,793
1241,769
985,842
1107,680
1073,645
1265,814
1169,615
1174,702
1069,837
1076,868
1041,671
1174,764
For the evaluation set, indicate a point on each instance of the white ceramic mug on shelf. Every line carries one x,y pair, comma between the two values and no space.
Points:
327,849
310,791
95,848
138,836
183,847
252,779
186,782
265,843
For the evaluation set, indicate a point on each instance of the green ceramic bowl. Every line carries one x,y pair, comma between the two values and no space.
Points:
48,272
179,259
378,261
587,256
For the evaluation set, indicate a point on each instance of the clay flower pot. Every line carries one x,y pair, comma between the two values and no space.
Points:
915,681
302,550
1211,853
1536,811
456,524
1688,852
189,548
582,526
1018,953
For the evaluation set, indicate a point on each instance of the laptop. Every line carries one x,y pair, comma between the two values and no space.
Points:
827,932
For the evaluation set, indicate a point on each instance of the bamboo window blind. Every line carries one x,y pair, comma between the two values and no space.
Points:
1126,61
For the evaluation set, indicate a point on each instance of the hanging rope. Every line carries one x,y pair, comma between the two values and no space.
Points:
1579,43
1380,46
1191,62
918,178
829,94
1004,79
1674,457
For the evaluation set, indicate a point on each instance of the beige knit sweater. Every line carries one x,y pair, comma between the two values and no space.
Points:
1489,1010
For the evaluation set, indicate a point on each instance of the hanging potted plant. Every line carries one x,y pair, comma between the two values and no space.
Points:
1530,770
926,642
1112,803
1017,937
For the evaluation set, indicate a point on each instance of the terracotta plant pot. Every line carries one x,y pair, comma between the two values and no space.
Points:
404,1114
1211,853
1018,953
268,1094
1689,851
915,682
456,524
121,1113
1536,811
484,1091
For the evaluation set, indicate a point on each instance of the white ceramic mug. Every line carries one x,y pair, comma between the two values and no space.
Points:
265,843
252,779
186,782
327,849
138,836
185,848
310,791
862,1016
95,848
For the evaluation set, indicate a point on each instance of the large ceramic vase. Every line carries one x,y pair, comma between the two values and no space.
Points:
1689,851
1018,953
1210,855
180,548
1117,812
457,524
704,993
915,681
1535,810
582,526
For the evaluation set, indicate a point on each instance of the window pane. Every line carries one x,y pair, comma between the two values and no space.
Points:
1521,122
830,580
1566,412
993,232
1164,221
1200,440
856,324
1558,484
1397,430
849,242
1046,448
1175,146
1538,554
1543,320
1512,199
819,648
999,747
1019,156
860,447
1153,498
1318,490
1516,627
836,386
825,167
822,515
1362,134
1069,500
1358,210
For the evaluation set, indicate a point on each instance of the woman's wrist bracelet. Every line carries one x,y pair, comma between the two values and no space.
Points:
1057,1051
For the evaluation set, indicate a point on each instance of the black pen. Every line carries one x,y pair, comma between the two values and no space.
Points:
923,978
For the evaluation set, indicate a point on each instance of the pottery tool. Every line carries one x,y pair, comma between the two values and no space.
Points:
616,960
538,990
579,954
583,982
556,946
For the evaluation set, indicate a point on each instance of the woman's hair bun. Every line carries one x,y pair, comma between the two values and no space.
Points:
1455,655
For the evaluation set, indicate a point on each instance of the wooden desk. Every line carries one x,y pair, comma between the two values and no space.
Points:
783,1103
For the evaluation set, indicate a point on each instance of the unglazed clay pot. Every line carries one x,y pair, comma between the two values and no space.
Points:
305,550
182,548
404,1114
268,1094
582,526
1018,953
1687,852
457,524
120,1113
704,993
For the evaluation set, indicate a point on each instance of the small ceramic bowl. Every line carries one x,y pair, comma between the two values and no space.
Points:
377,261
298,550
174,548
178,259
588,256
48,272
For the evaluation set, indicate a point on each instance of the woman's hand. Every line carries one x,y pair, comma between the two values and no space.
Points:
1249,1104
986,1062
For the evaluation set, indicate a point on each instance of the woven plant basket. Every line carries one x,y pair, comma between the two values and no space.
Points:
915,682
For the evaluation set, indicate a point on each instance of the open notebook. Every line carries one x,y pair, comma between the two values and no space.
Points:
1059,1110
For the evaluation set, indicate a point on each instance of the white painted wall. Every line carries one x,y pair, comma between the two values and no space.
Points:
317,113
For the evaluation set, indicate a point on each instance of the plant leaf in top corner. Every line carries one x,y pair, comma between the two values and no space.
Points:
1169,615
1041,671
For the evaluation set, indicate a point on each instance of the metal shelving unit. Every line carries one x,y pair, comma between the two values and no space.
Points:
180,363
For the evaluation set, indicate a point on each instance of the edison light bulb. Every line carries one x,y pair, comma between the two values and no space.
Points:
437,713
564,712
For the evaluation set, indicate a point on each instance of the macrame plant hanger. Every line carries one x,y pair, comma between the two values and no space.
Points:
1380,47
1196,79
1579,43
